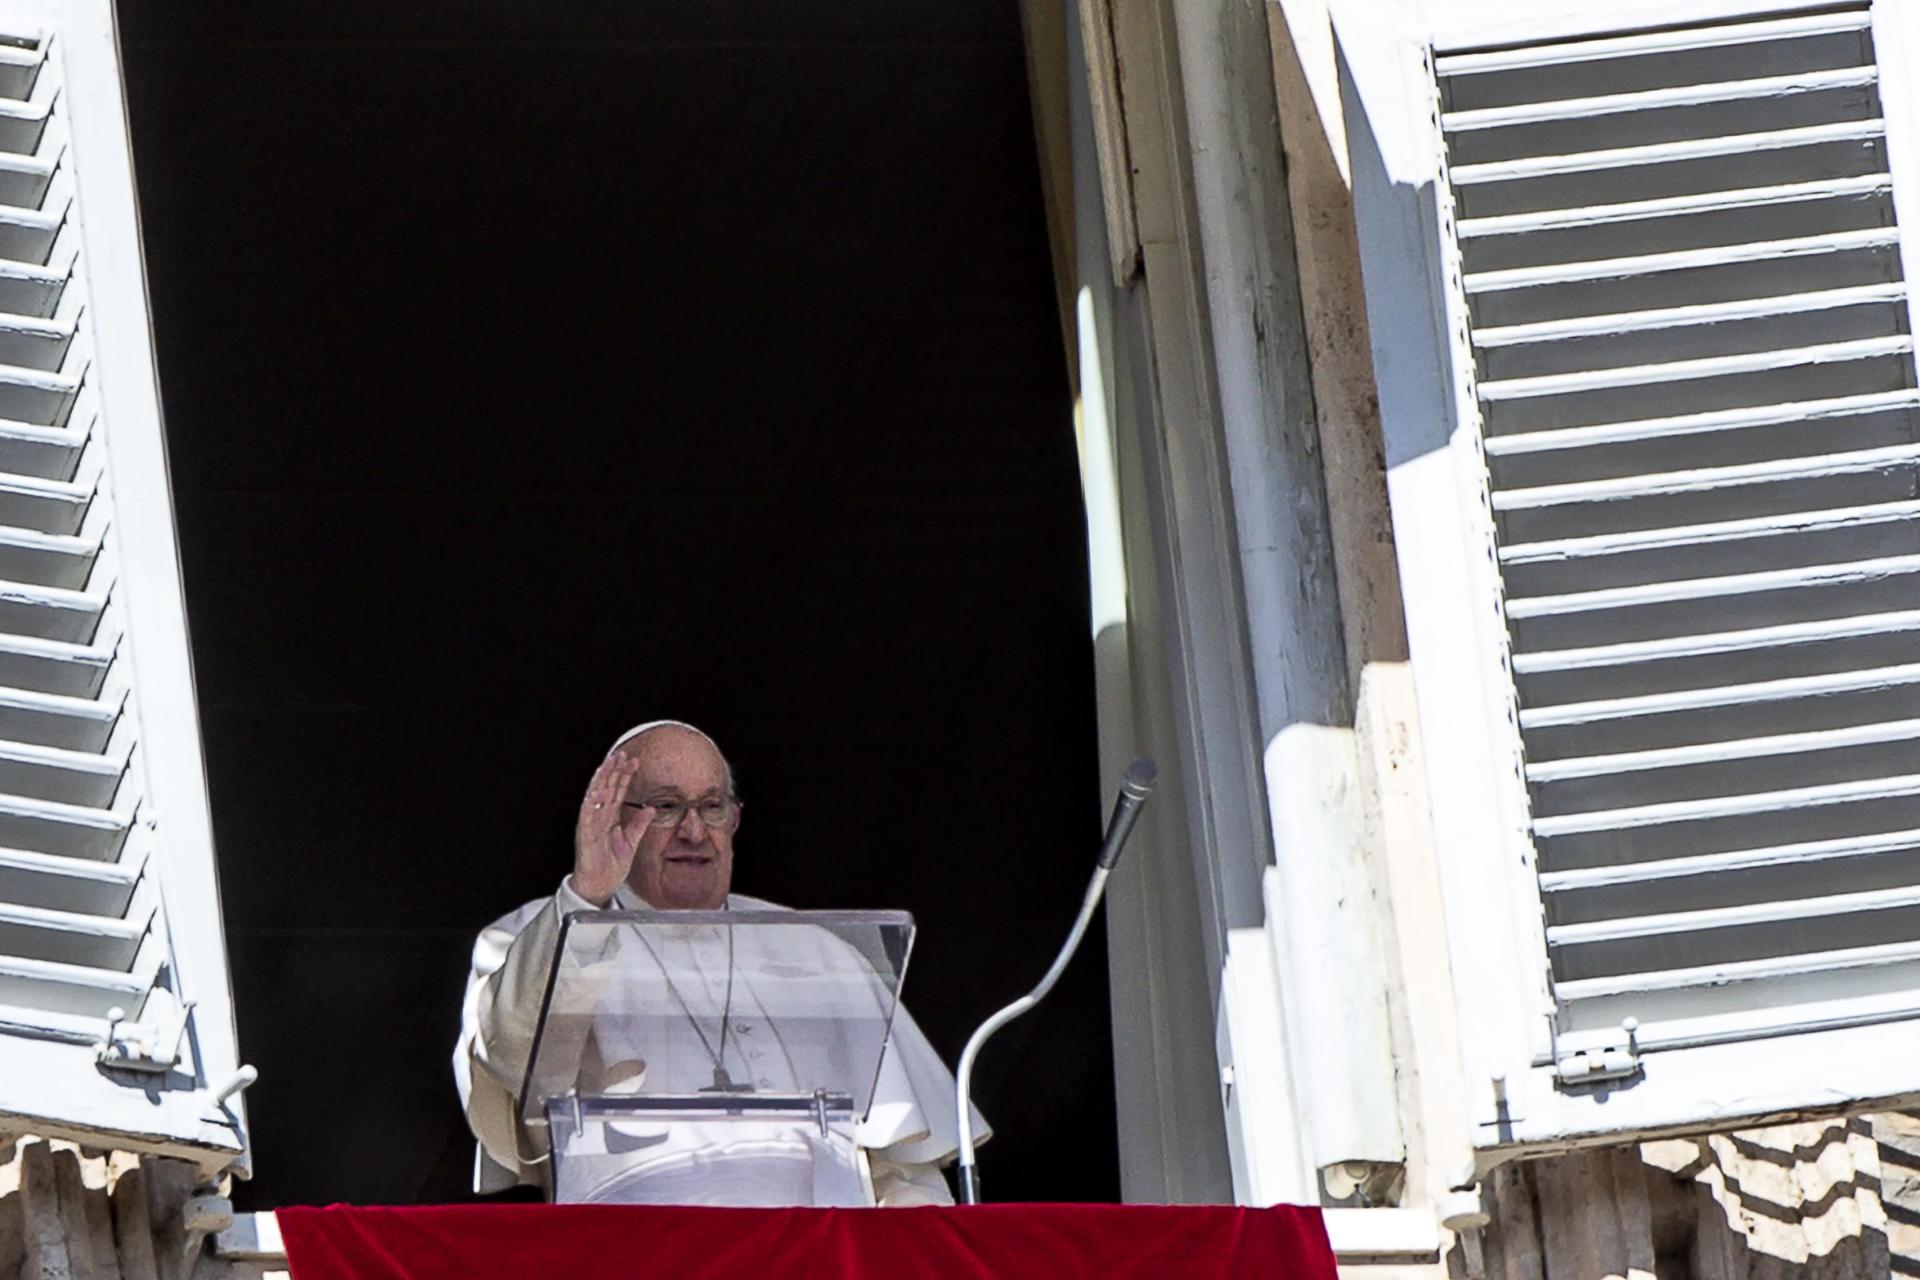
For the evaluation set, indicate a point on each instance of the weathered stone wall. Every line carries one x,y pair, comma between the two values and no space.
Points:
1818,1201
1838,1200
66,1214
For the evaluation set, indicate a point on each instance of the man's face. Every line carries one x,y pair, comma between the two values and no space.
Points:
689,865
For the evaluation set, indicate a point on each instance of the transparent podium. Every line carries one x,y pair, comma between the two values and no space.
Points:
714,1057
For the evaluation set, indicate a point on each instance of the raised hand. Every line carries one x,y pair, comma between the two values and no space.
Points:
607,832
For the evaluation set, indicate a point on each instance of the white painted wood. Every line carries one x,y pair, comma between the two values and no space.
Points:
1392,778
1672,922
1257,1091
1377,1237
1727,420
1696,535
1586,713
253,1237
1817,1003
1212,685
1680,317
1719,864
1718,642
1443,542
103,812
1665,152
1646,264
1876,734
1743,805
1319,906
1657,99
1320,912
126,929
1109,136
1720,975
1561,384
1712,588
119,985
1599,215
1460,26
1668,41
1650,419
1703,479
1172,1138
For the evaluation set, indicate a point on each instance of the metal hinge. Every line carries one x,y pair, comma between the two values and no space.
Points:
136,1046
1611,1062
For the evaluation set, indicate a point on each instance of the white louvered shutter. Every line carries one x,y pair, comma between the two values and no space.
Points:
1680,615
107,894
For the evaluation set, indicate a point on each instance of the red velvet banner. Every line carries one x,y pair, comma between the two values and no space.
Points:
983,1242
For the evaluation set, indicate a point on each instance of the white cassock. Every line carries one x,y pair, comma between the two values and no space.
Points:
906,1136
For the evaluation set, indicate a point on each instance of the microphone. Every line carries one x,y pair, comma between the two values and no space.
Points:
1134,790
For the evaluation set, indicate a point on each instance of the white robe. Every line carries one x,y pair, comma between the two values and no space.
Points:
908,1133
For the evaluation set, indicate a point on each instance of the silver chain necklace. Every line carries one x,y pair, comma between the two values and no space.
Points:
722,1082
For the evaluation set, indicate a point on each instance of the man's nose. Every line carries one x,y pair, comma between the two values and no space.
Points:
692,819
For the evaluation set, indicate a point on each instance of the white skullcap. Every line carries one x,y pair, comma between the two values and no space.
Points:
650,725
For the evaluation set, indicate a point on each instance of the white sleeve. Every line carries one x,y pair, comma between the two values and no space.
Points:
912,1120
898,1185
511,960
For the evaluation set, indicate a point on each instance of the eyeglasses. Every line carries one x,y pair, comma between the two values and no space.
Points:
670,811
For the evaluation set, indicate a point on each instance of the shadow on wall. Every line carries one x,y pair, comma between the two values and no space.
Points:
1816,1201
1419,363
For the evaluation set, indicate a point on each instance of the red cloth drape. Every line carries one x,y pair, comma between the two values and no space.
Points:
983,1242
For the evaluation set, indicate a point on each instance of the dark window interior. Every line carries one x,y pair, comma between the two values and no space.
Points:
535,370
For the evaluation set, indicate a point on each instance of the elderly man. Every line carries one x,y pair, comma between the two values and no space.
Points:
655,830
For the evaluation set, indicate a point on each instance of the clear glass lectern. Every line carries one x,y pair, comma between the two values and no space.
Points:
714,1057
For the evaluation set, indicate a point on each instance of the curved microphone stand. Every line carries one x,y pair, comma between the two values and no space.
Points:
1134,790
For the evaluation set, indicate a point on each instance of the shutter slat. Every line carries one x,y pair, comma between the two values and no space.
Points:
83,778
1689,370
58,667
60,987
31,288
49,1024
67,937
23,109
1639,540
1672,922
1798,854
1851,736
1704,479
1604,435
1858,187
110,982
1811,686
1738,144
71,884
78,722
1732,806
1695,589
41,452
1647,264
1691,95
1626,322
1641,652
1726,974
1652,42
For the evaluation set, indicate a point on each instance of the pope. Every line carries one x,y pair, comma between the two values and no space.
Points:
655,831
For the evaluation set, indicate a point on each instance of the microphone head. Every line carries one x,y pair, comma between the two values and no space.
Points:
1140,778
